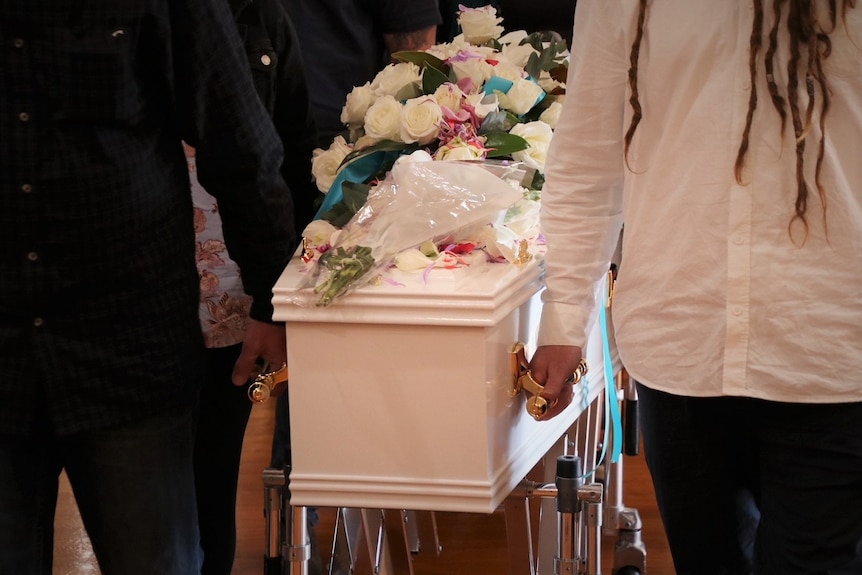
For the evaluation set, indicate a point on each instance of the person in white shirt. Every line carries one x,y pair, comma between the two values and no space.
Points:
727,137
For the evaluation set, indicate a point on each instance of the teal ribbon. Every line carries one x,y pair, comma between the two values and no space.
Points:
497,84
612,406
359,171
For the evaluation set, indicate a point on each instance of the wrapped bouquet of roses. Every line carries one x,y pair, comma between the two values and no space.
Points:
419,202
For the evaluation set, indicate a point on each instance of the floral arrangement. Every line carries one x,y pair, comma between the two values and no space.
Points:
484,98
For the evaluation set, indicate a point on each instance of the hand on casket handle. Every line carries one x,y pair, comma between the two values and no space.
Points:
548,378
268,384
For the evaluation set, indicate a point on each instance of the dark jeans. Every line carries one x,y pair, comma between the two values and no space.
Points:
750,486
134,488
222,415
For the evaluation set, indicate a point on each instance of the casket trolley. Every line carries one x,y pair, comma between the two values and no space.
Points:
408,393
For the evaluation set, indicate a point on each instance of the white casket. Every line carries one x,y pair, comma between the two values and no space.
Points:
400,392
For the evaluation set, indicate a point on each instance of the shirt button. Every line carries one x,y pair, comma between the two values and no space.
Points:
738,240
26,188
737,311
18,42
32,256
24,117
265,60
38,322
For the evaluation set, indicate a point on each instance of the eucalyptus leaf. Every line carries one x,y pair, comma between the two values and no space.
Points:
534,40
534,65
498,121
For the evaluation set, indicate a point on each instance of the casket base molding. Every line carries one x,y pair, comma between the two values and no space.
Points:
443,494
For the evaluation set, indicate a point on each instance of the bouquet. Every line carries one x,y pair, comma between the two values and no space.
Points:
421,201
483,98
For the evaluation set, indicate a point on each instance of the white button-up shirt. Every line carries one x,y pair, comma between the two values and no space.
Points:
713,296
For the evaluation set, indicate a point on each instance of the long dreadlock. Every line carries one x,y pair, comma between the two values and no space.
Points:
804,29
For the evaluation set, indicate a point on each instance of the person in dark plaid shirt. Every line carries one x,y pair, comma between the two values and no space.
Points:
100,345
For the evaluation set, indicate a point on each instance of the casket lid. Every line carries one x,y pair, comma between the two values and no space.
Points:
478,295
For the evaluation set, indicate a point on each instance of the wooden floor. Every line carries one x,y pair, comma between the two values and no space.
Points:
472,544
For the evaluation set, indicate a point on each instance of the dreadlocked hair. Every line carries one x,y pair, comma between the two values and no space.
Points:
804,31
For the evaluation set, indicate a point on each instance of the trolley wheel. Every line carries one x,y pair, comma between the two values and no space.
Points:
628,570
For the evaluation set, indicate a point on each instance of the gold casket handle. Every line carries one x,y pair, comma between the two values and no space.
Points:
267,384
522,379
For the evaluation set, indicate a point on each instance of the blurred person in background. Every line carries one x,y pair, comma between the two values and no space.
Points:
274,63
349,41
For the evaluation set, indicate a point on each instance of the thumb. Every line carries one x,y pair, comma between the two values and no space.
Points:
244,368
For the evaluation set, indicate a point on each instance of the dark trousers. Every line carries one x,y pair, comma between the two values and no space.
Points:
222,415
751,486
134,488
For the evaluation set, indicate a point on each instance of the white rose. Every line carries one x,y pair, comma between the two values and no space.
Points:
538,135
480,24
476,69
517,54
358,101
420,120
449,95
483,104
383,119
508,71
412,260
417,156
448,50
551,114
325,164
458,150
521,97
319,233
523,218
391,79
363,141
507,244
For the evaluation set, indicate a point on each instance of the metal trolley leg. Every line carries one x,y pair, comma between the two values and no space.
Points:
288,549
273,485
588,504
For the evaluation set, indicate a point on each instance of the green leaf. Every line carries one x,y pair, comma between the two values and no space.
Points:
408,92
381,146
538,182
504,144
433,79
423,60
354,197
